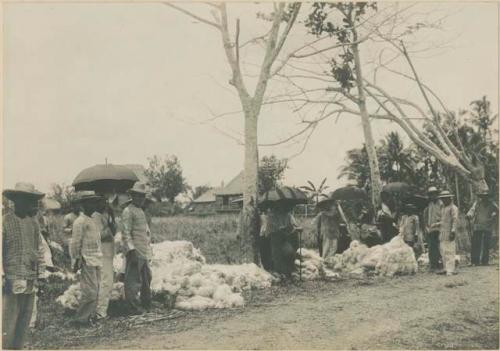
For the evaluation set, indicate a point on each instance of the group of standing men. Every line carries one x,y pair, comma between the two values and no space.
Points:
439,228
91,247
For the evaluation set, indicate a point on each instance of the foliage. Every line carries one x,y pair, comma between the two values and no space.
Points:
316,192
271,172
415,166
320,22
166,178
63,194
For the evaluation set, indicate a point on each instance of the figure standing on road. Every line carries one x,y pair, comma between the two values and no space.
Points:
283,231
482,215
86,256
448,232
102,220
327,225
137,243
23,263
432,223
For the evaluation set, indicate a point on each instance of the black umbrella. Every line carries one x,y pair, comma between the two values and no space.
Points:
103,178
419,201
349,192
398,188
283,195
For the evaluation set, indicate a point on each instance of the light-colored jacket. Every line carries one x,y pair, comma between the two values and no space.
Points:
86,241
449,222
432,216
136,233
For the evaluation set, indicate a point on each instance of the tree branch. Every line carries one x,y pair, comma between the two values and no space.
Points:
190,14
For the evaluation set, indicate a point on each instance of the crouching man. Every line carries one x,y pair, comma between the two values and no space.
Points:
137,243
23,261
86,256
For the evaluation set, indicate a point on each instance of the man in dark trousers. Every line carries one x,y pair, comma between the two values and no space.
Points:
137,240
483,217
23,263
432,223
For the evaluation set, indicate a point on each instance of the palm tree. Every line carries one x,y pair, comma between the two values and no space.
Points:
357,167
316,192
397,163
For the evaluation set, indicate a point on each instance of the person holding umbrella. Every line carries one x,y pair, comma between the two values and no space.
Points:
86,257
448,232
23,263
432,222
482,216
282,230
137,244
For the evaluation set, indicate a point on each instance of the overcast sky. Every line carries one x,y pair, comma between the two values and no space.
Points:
126,81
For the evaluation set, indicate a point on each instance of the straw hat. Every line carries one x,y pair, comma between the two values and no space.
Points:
23,189
445,194
432,189
139,188
86,196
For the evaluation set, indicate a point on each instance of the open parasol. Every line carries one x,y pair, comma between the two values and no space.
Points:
419,201
348,193
398,188
283,195
105,178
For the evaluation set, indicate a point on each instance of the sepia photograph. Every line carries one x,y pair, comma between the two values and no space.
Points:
250,175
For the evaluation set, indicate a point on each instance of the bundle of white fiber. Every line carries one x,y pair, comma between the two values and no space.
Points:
394,257
423,260
310,266
180,269
71,297
398,259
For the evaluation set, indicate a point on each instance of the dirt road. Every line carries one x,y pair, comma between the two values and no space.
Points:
423,311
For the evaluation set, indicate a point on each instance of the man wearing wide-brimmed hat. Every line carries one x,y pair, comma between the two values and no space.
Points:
432,222
86,256
23,263
448,232
483,217
137,243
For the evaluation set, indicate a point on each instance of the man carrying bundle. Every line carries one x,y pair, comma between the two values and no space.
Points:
23,263
448,231
432,222
482,216
137,243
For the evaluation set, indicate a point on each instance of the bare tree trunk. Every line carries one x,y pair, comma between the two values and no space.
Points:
250,225
376,184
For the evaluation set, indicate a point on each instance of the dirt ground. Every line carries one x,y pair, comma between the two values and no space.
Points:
425,311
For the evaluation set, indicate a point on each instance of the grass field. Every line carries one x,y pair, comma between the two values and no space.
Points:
216,236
